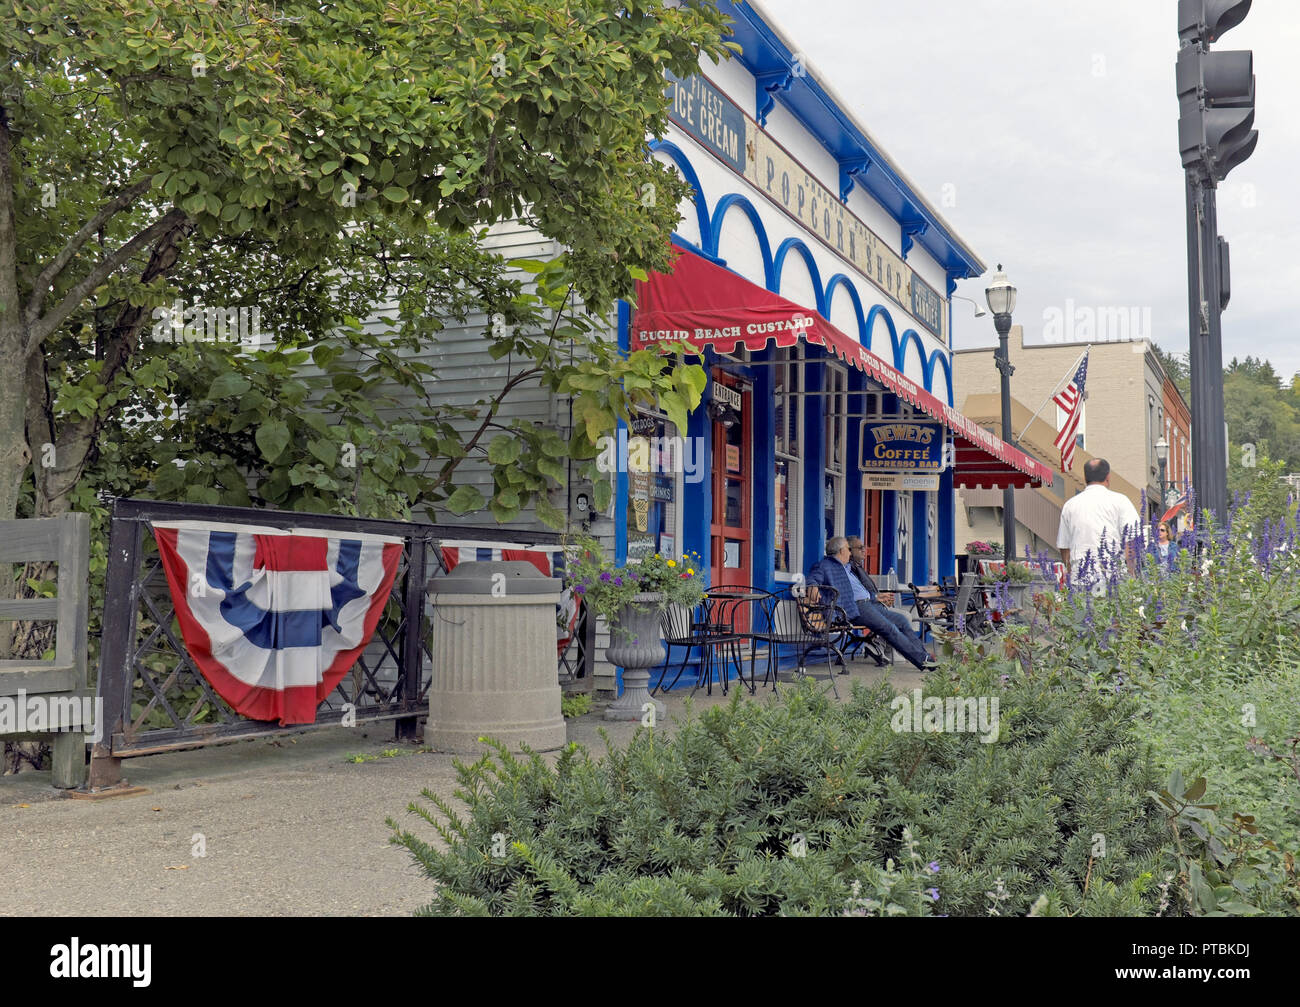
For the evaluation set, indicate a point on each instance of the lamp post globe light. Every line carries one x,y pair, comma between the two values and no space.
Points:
1001,297
1162,458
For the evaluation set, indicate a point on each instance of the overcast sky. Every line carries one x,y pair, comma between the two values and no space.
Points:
1056,126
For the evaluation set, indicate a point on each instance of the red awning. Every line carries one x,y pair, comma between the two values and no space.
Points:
707,305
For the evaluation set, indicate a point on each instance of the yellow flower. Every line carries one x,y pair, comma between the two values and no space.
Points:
672,562
690,571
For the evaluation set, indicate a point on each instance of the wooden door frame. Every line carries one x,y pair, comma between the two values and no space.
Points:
717,529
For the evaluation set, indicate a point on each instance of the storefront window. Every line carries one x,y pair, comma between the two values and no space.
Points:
786,385
837,382
654,487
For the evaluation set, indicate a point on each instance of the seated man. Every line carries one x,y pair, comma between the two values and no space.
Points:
835,570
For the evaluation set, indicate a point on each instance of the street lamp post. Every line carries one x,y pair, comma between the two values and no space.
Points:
1001,298
1162,458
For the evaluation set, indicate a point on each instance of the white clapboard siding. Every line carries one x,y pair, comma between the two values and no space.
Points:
467,374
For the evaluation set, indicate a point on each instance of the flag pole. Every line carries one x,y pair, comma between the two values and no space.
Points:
1068,374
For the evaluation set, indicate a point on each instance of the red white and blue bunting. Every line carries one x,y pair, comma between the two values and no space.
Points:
275,618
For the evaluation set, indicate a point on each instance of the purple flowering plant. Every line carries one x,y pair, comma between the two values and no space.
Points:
655,580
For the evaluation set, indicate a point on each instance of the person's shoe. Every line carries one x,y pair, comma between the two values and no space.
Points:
930,664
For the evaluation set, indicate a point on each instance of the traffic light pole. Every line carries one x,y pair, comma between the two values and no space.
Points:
1205,344
1216,113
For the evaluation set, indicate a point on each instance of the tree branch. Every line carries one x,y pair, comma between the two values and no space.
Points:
51,272
450,467
73,299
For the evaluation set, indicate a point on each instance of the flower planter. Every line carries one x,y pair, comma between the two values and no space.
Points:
1022,594
636,645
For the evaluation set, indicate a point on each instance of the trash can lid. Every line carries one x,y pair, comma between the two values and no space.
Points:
509,578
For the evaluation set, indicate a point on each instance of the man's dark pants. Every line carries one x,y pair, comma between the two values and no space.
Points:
892,627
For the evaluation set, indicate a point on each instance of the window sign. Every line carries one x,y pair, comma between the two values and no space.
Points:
651,487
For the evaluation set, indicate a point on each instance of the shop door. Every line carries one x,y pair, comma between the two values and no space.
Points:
730,559
871,531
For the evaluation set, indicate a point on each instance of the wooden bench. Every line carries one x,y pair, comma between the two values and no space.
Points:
60,684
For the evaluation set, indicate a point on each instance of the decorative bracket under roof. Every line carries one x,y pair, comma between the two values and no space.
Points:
765,87
912,226
851,171
960,273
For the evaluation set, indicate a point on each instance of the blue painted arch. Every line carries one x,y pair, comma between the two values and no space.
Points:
760,232
868,327
684,165
710,224
936,358
814,274
909,338
840,280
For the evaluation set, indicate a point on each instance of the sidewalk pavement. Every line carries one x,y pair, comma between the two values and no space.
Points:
289,826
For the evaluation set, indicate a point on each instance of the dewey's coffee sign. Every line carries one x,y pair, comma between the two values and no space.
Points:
900,447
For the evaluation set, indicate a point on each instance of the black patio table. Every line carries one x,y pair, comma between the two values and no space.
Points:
729,613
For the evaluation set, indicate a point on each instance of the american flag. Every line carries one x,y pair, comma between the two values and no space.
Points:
1070,398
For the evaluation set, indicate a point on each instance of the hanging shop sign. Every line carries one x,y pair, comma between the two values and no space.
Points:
707,114
899,481
701,109
726,395
900,446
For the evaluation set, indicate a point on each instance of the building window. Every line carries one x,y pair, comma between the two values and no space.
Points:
787,383
836,413
654,487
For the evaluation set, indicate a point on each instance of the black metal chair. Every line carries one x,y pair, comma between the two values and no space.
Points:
931,611
679,625
807,620
968,614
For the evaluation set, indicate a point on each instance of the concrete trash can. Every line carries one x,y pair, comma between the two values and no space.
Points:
494,669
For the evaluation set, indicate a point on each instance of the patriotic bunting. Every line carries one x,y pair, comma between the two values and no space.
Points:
274,619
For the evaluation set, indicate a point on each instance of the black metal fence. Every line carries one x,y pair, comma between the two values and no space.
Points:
155,699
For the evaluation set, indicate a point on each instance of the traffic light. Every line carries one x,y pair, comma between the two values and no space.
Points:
1216,90
1206,20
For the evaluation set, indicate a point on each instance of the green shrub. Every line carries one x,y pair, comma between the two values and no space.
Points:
576,705
799,805
1210,646
1225,870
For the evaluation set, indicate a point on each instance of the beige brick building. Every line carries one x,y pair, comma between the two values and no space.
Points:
1130,404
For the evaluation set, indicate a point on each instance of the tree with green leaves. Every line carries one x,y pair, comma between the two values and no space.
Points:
324,163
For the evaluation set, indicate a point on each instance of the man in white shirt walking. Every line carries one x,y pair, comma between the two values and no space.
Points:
1095,513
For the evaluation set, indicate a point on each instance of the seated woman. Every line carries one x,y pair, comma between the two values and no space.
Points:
834,570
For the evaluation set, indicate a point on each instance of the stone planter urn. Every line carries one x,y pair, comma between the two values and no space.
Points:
1022,594
636,645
